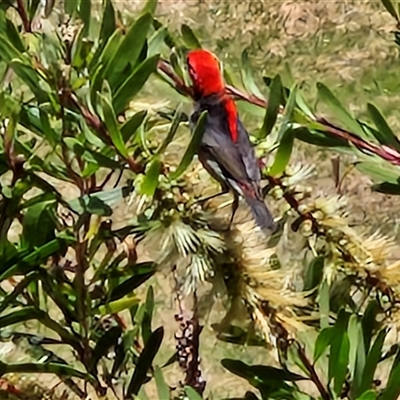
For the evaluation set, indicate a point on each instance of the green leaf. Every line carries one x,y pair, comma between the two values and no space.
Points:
247,76
27,261
108,340
392,390
128,50
189,37
142,273
112,126
131,126
150,7
274,103
45,368
162,388
357,354
118,305
283,154
38,224
31,78
131,87
387,188
145,361
369,322
108,23
84,11
192,394
156,42
99,203
319,138
178,118
323,341
314,273
384,134
390,8
339,351
372,361
150,181
148,315
368,395
379,170
193,146
348,121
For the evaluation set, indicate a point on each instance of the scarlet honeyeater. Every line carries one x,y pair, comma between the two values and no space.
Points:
226,151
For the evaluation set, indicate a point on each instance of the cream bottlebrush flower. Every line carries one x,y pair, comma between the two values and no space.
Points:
187,244
259,284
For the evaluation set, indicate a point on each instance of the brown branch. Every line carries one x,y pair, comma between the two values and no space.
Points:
313,374
24,16
387,153
97,124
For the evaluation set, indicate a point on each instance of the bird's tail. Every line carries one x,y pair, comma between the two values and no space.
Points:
262,215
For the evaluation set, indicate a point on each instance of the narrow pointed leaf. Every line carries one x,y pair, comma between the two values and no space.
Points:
384,134
247,76
129,49
193,146
172,131
368,395
336,107
192,394
392,390
372,360
283,154
45,368
162,388
150,7
112,127
150,181
274,103
103,345
118,305
189,37
134,84
145,361
388,4
131,126
108,23
323,342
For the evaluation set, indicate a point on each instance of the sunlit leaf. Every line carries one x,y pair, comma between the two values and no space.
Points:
162,388
129,49
150,181
336,107
134,83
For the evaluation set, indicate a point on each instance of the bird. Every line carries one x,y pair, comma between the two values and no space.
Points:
225,151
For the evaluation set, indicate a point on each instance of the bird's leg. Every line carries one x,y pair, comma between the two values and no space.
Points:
235,206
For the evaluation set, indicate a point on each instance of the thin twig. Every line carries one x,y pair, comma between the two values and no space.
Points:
313,374
24,16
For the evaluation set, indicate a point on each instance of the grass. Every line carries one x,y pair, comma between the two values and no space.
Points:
348,46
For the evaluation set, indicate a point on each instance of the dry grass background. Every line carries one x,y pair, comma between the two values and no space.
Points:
345,44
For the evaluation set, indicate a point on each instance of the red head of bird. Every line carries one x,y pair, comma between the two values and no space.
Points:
205,72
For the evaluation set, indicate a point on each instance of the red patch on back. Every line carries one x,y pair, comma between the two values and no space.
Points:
231,111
